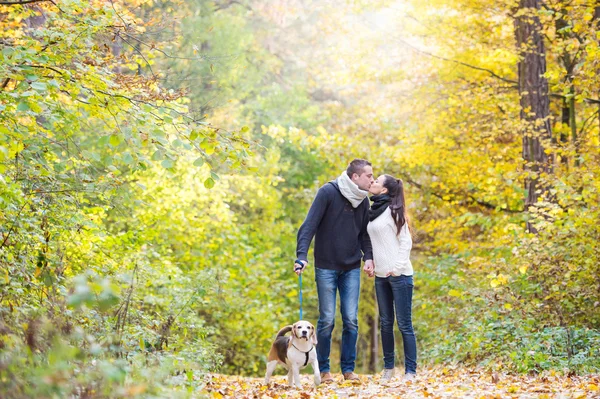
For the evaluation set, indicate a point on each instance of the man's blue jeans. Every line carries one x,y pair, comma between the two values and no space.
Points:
396,290
328,283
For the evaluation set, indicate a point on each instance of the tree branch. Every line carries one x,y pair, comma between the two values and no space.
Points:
141,55
495,75
472,198
13,225
225,5
16,2
69,190
151,47
584,127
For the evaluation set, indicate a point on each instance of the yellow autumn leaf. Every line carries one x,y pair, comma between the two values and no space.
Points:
523,269
502,279
209,150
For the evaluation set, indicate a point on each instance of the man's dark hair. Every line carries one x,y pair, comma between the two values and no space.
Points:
357,166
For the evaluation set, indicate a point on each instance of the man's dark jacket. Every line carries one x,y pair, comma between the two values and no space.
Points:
340,231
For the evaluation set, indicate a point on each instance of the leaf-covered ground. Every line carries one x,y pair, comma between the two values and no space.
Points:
431,383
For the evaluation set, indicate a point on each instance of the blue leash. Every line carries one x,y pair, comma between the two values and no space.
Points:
300,285
297,261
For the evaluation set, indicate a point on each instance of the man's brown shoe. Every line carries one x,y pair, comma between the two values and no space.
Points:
326,377
350,376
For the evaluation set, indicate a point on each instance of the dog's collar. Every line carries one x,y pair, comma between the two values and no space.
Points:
305,353
313,347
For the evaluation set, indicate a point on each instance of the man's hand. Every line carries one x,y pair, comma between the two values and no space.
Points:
369,268
299,266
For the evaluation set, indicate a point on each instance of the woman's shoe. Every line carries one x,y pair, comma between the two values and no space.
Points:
386,375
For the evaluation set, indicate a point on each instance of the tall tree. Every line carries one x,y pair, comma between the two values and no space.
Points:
534,100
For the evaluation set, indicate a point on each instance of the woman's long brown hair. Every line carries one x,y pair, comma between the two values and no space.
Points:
395,189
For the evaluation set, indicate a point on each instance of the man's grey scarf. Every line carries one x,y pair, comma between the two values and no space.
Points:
350,190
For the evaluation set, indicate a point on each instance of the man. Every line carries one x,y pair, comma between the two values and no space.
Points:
338,217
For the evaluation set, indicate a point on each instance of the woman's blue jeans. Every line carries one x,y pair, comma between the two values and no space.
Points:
396,291
348,284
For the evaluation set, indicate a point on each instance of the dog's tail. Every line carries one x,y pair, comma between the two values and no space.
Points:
284,331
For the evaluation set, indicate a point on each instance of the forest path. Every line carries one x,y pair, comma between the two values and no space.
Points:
431,383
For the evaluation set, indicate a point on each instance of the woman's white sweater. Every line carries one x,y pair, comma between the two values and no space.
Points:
391,251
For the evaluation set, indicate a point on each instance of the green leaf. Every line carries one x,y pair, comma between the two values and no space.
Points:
102,141
95,156
209,183
39,86
23,106
167,164
158,155
208,147
127,158
7,51
199,162
114,140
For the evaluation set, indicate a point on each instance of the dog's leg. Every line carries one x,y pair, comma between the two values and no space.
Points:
296,374
270,368
316,372
290,376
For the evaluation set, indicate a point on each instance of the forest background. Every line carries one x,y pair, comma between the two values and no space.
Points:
158,157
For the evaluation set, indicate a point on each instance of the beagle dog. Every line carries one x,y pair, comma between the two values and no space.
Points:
294,352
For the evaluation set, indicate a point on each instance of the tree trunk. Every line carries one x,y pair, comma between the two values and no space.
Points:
374,358
568,111
597,20
535,109
374,327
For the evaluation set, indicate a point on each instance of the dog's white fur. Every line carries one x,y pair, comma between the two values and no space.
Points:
302,340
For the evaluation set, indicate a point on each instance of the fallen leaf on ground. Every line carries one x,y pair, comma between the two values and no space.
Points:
430,383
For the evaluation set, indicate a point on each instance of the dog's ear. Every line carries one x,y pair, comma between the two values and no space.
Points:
294,330
313,337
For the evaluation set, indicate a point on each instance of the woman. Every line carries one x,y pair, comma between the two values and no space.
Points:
392,242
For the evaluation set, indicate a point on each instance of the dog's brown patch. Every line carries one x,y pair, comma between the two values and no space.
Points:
279,349
280,346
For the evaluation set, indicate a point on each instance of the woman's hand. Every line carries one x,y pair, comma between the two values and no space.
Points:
369,268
